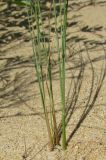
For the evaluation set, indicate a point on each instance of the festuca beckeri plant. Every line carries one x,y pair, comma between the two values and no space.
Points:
40,46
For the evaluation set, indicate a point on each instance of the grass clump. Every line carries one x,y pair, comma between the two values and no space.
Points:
41,47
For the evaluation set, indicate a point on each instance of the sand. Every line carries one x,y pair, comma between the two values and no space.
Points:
23,134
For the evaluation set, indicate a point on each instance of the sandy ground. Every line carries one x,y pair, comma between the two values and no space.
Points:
23,134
